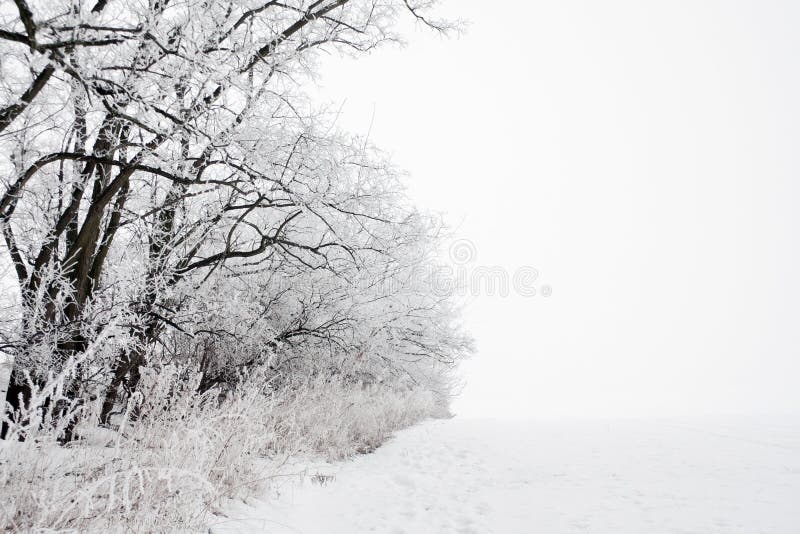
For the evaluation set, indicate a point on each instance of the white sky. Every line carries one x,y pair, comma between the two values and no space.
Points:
644,157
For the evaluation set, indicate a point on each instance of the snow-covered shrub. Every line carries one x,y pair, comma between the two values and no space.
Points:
177,455
332,419
162,470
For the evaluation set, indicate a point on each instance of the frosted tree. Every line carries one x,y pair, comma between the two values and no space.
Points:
159,158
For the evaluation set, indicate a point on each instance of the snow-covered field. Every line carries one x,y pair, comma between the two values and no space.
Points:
699,476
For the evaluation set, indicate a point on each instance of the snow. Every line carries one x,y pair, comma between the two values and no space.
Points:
704,476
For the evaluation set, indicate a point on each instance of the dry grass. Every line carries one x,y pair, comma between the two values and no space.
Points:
186,453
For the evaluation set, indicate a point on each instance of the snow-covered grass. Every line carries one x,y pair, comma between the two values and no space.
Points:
687,476
336,421
170,468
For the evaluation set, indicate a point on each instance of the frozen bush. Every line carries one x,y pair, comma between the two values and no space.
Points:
184,453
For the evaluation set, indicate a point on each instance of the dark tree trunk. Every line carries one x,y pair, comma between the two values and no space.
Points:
18,390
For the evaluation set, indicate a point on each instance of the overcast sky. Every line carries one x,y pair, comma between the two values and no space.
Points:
644,157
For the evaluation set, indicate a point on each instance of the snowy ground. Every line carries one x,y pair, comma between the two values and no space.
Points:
699,476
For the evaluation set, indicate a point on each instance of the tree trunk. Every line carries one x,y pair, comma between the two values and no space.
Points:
18,394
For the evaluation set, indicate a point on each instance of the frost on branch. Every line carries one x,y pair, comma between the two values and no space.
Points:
166,187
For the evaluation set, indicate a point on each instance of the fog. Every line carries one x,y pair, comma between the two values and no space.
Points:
642,157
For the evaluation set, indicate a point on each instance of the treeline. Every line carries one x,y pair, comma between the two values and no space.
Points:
172,204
